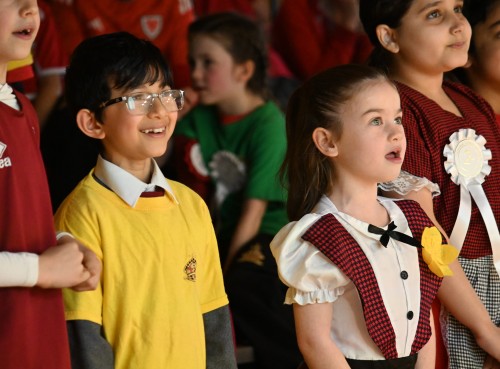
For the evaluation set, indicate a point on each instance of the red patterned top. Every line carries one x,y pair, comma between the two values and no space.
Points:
428,129
32,328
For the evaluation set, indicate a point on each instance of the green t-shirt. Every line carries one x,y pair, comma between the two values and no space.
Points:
243,159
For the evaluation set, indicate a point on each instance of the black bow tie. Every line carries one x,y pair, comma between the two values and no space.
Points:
391,233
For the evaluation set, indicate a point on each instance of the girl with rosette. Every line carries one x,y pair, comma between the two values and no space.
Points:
453,142
362,270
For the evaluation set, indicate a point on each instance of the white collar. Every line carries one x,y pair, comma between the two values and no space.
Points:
128,187
7,96
396,215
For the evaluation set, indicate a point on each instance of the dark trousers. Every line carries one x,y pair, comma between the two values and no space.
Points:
260,317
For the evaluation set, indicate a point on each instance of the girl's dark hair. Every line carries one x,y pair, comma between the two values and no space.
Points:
476,11
112,61
306,172
375,12
242,39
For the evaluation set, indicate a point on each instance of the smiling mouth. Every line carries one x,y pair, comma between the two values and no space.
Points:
154,130
24,32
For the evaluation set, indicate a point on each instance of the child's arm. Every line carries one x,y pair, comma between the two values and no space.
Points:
18,269
66,265
460,299
247,228
313,324
89,349
457,295
427,355
219,339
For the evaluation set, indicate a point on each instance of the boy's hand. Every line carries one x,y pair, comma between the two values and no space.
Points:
62,265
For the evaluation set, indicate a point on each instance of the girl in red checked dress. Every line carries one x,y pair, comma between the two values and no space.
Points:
454,142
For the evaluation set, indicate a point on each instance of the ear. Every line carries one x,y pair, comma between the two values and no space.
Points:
89,125
325,142
245,70
387,37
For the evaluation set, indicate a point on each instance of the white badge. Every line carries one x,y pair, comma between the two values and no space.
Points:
467,163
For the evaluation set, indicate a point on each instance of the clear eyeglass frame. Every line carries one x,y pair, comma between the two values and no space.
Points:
141,103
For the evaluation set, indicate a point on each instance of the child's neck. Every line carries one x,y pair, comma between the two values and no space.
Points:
242,105
427,84
360,203
3,73
490,93
430,86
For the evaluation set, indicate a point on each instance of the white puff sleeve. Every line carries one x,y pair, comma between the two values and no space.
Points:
310,275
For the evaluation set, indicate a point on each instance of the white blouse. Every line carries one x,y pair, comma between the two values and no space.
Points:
313,278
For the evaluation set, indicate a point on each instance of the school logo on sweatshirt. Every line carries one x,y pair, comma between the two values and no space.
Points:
151,25
4,162
190,270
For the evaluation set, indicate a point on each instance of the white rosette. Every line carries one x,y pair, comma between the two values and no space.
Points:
467,164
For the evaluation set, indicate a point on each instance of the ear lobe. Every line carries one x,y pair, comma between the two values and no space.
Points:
324,142
87,123
246,70
387,38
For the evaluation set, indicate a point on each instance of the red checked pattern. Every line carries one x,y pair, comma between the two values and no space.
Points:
333,240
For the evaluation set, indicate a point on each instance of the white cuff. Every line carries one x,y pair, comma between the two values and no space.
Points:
18,269
61,234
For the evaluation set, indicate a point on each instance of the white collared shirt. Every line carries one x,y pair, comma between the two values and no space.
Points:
127,186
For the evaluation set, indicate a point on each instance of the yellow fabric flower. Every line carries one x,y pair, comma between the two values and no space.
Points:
435,254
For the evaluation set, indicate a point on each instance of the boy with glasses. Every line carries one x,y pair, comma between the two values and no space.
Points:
161,301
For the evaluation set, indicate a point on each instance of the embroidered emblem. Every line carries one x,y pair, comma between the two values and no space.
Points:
190,270
151,25
254,255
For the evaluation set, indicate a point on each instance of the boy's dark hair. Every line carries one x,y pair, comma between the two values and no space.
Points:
317,103
375,12
112,61
242,39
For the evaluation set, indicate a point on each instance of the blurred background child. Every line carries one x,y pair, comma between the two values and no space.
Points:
313,35
229,149
482,73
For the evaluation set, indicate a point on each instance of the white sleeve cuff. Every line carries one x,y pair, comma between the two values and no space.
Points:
18,269
61,234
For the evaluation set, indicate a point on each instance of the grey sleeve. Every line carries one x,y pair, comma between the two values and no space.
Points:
219,339
89,349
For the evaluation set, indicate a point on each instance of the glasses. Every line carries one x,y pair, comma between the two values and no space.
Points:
140,104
